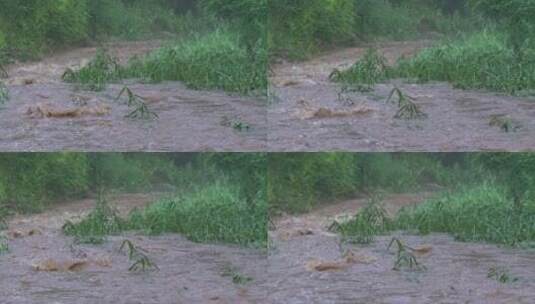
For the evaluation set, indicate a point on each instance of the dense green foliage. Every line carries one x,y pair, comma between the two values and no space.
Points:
28,27
482,60
30,181
213,197
217,212
298,182
213,201
214,212
217,60
297,28
485,196
493,46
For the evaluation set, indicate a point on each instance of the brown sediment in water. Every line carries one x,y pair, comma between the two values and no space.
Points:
317,268
457,120
51,268
189,120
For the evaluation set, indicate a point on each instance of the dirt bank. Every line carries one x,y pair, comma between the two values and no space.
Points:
457,120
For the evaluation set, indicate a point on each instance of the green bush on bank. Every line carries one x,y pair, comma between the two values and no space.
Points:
216,60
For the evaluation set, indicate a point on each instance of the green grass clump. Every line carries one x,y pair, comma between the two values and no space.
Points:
102,221
214,213
365,73
481,213
480,61
217,60
101,70
368,223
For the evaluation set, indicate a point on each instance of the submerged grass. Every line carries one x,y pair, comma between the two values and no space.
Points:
4,93
482,60
140,260
501,274
102,221
368,223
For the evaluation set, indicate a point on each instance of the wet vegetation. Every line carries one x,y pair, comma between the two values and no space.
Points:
497,53
212,45
299,28
482,197
301,181
208,200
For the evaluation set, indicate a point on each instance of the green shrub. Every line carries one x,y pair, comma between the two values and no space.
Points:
216,212
300,27
30,180
297,182
217,60
32,25
481,213
481,60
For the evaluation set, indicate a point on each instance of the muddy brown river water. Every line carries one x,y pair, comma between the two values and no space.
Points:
189,120
189,272
306,115
456,272
195,273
